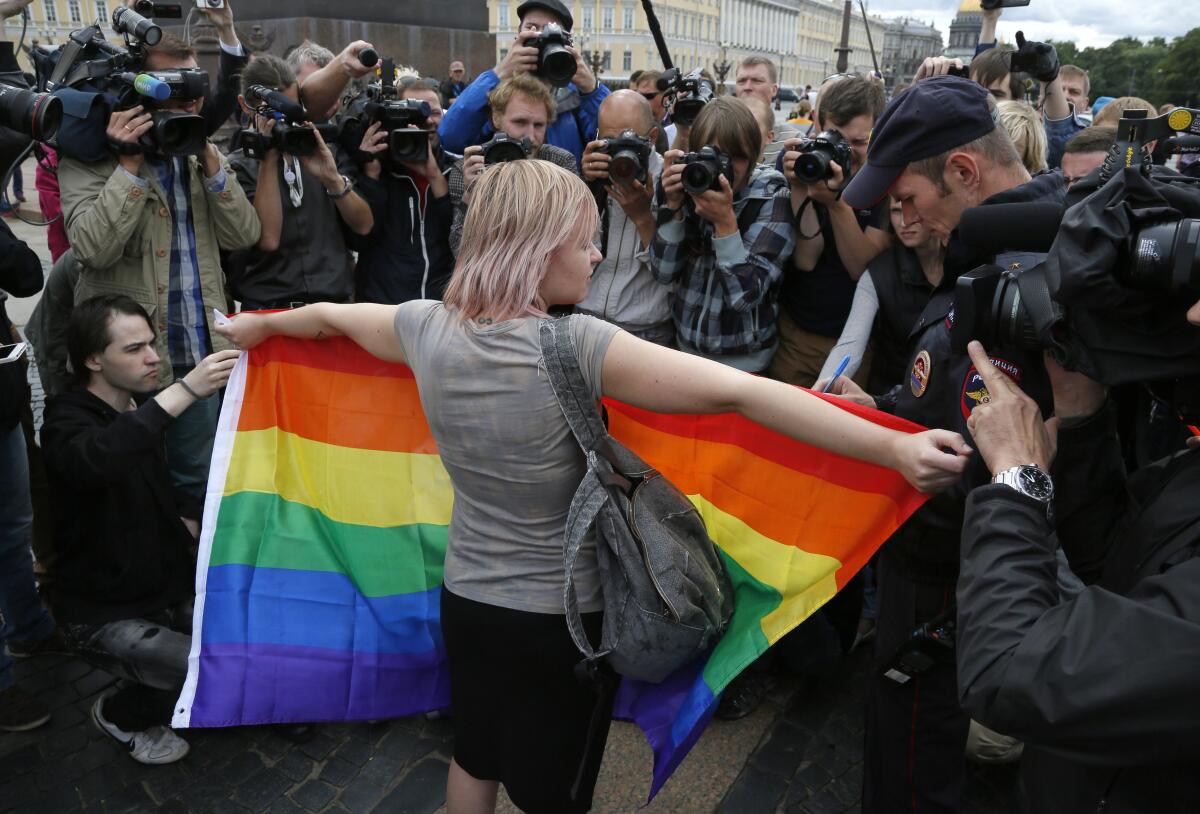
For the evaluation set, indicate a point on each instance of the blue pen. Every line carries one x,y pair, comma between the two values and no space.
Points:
840,370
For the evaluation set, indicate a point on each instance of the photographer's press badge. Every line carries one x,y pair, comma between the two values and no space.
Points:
918,379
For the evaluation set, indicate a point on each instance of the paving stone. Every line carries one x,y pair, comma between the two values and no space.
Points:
421,791
380,770
238,770
296,766
823,803
338,772
202,798
830,758
18,792
132,799
282,805
66,742
318,747
356,750
406,746
813,777
848,787
314,795
19,763
94,682
360,797
172,780
59,800
754,792
173,807
105,780
58,696
274,747
262,789
783,751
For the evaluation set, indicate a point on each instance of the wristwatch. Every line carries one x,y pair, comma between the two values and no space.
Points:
349,185
1029,480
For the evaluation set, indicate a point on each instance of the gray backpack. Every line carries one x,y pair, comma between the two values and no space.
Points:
667,598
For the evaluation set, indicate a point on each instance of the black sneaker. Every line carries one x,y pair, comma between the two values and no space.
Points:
741,697
53,645
20,711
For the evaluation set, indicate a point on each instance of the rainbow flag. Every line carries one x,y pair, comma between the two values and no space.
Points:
325,530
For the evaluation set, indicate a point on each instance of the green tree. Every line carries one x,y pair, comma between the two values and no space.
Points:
1179,71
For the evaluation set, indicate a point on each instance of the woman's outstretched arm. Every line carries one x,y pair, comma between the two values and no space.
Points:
368,324
656,378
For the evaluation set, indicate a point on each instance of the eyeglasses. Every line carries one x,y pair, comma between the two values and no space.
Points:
836,76
651,96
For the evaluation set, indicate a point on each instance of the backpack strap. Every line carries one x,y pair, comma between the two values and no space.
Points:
589,498
571,391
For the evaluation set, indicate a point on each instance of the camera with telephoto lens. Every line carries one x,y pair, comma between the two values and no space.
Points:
398,117
685,95
32,114
629,157
290,134
503,147
1122,269
555,63
703,169
816,154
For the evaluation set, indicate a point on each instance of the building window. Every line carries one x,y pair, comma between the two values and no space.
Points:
627,18
51,11
607,64
587,18
102,11
503,53
75,12
502,16
627,62
607,18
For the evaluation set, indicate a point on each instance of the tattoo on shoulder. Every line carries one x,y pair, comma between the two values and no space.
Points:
320,334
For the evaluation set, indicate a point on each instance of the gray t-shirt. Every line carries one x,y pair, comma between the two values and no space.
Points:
504,441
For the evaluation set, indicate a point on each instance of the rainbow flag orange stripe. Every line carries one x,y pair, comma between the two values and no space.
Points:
326,528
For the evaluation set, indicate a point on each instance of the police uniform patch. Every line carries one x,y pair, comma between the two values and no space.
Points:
974,392
918,378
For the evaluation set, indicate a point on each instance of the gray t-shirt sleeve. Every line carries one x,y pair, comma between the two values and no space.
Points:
857,331
592,337
410,317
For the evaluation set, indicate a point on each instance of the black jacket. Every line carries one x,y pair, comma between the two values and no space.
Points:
223,102
407,255
122,551
21,276
1103,688
903,292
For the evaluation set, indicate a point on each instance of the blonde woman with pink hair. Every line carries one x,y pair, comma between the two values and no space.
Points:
520,716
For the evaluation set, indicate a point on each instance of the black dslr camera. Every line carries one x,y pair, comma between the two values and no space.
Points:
1123,267
555,63
289,134
703,170
685,95
629,157
503,147
816,154
927,646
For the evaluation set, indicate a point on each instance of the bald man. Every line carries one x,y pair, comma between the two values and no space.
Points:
623,290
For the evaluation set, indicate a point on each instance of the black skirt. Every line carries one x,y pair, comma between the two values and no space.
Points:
521,715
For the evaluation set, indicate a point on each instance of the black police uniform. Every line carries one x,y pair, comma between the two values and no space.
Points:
916,732
1103,687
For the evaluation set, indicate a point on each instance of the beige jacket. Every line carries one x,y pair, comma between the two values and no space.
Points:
121,235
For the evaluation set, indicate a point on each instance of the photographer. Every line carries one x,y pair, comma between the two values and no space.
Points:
522,108
152,226
406,255
304,203
757,78
936,168
576,104
723,247
1101,686
623,289
834,241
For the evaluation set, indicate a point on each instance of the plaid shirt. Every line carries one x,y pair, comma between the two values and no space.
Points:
726,288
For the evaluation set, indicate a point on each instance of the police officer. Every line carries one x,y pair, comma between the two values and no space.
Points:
938,150
1102,686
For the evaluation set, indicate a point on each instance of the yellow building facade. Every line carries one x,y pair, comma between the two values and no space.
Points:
50,22
799,35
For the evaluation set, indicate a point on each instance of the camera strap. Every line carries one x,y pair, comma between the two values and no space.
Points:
124,148
800,216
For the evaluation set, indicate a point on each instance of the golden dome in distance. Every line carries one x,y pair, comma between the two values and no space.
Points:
969,5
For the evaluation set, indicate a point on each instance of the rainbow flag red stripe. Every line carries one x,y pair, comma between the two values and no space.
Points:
326,524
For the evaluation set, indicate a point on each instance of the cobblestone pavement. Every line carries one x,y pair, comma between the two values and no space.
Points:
810,761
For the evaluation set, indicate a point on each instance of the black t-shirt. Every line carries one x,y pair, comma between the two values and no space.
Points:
819,300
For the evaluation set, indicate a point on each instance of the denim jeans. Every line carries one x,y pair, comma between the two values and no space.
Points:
190,444
149,654
25,618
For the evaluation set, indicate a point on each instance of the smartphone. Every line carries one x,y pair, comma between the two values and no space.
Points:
988,5
221,3
12,352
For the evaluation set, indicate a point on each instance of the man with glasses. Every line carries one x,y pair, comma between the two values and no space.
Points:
578,103
453,87
646,83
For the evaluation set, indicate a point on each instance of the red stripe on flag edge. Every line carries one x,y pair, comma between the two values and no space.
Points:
735,430
338,354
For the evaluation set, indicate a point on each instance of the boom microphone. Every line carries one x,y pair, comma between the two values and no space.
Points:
1024,227
369,57
262,95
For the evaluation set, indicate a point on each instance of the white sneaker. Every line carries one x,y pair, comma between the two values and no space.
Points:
154,746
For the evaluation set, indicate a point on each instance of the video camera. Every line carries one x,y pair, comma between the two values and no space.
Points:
629,157
703,170
1123,267
93,78
397,116
171,11
290,134
685,95
555,63
816,154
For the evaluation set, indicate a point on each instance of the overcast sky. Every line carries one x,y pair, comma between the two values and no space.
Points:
1087,22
